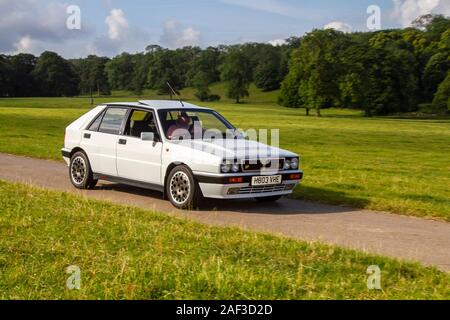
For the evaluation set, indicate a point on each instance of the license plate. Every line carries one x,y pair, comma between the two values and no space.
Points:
266,180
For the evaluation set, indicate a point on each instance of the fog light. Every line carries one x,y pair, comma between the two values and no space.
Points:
233,191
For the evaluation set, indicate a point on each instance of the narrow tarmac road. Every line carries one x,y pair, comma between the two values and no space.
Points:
392,235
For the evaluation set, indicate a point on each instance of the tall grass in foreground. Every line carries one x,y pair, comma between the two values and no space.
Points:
129,253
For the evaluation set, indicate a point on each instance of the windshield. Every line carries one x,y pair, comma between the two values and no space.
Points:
185,124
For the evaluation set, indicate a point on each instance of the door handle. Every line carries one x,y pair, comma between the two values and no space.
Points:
87,135
122,141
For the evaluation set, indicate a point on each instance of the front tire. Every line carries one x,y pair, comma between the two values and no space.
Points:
182,189
80,172
269,199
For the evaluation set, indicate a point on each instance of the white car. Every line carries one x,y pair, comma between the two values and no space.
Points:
180,149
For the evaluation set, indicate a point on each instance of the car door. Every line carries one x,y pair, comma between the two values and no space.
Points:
140,160
101,138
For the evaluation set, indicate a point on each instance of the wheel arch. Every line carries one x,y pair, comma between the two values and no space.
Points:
77,149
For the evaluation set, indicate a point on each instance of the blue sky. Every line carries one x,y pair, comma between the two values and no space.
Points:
109,27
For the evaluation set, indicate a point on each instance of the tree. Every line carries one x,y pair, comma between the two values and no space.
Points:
441,101
289,95
55,76
207,63
200,82
170,66
120,71
316,65
357,82
22,81
93,76
162,69
236,71
138,80
434,73
393,73
5,76
268,73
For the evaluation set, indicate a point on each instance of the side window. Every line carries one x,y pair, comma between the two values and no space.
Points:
96,124
140,121
112,120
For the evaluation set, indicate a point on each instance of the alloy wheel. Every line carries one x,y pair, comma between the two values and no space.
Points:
180,187
78,170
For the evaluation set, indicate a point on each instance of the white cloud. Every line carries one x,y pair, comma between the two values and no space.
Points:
277,42
32,26
175,36
27,45
339,26
190,36
120,37
117,24
406,11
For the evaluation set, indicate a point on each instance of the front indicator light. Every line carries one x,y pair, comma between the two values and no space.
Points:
296,176
236,180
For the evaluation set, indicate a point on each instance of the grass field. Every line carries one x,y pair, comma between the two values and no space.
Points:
129,253
399,165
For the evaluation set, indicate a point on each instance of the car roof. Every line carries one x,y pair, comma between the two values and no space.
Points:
158,104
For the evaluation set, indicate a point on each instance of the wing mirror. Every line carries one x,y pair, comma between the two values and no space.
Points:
239,134
147,136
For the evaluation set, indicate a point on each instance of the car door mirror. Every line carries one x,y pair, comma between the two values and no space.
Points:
239,134
147,136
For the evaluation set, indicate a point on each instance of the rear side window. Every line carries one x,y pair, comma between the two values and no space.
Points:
96,124
112,120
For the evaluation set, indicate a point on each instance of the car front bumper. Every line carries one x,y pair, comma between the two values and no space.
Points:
217,186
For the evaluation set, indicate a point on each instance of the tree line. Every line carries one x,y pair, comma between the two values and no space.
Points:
51,75
382,72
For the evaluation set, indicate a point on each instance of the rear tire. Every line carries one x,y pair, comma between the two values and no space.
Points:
80,172
269,199
182,189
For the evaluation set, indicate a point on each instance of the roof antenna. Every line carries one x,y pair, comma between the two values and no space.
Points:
175,94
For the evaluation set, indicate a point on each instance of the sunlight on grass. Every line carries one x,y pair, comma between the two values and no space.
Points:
129,253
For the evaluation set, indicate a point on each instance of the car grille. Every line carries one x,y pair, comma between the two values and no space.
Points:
258,165
263,189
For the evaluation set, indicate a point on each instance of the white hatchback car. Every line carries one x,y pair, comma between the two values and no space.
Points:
187,152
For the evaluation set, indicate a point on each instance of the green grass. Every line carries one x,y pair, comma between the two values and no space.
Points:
129,253
398,164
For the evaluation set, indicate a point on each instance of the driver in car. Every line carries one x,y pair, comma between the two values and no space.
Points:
180,128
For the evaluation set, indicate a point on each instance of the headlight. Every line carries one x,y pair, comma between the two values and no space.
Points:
235,167
287,164
294,163
225,167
